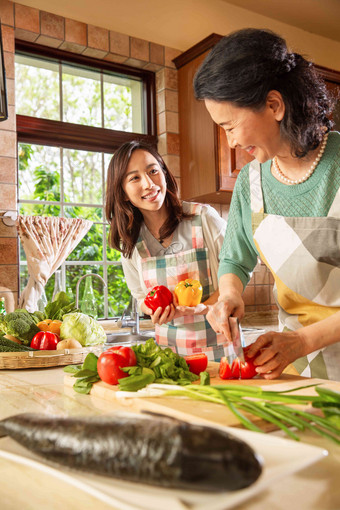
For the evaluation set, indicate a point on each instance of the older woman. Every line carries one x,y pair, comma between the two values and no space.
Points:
286,203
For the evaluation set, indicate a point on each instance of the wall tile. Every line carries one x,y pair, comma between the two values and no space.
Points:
7,12
162,144
173,163
113,57
169,55
8,197
10,123
157,54
9,275
72,47
7,231
98,38
9,65
26,35
8,250
119,43
52,25
7,38
153,67
139,49
171,100
161,124
134,62
27,18
75,32
8,167
249,295
160,102
173,143
261,276
8,144
92,52
51,42
262,294
10,91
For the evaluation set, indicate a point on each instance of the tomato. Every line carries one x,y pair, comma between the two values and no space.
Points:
45,340
237,370
159,296
111,361
225,370
197,362
126,352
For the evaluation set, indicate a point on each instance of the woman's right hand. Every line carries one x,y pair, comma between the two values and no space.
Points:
230,304
159,316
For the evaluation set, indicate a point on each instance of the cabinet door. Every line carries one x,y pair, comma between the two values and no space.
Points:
209,167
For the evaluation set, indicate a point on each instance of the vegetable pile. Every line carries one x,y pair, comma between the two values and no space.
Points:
132,368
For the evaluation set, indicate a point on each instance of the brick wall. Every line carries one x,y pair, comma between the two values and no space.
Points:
48,29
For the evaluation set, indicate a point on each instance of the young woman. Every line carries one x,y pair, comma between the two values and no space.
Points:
286,203
164,241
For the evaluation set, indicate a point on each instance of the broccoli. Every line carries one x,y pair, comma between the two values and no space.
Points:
19,324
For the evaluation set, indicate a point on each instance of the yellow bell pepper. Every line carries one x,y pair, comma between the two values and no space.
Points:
188,292
50,325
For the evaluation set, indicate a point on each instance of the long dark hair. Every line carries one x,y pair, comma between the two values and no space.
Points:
125,219
245,65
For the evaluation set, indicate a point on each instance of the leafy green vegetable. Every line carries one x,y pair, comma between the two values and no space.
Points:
19,324
156,364
272,407
83,328
86,373
60,306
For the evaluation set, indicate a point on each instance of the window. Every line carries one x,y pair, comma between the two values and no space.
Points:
72,113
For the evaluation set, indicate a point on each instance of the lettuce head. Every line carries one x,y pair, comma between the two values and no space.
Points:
83,328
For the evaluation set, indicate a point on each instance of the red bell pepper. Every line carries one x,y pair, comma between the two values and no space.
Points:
45,340
197,362
159,296
110,362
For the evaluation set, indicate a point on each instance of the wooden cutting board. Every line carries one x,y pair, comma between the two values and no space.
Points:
103,397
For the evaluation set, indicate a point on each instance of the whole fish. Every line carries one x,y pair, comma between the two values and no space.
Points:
155,450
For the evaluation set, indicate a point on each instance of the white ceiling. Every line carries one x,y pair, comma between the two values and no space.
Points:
320,17
182,23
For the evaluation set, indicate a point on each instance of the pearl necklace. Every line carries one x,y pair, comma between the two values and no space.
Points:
309,172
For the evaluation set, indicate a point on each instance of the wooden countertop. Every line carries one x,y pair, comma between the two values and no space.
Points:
42,390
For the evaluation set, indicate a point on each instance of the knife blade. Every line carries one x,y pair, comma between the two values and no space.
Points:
237,337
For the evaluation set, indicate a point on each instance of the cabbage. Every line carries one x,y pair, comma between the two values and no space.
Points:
83,328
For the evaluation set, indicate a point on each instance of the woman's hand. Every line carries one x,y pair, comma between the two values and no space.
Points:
159,316
273,352
230,304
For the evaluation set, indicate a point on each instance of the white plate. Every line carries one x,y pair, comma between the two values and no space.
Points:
282,457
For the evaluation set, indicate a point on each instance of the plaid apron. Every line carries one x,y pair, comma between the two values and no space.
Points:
190,334
303,255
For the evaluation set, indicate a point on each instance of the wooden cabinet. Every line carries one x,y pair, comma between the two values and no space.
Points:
208,166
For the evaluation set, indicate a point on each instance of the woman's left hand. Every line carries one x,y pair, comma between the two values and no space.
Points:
273,352
162,316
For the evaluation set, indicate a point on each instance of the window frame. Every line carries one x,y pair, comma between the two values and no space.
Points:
76,136
40,131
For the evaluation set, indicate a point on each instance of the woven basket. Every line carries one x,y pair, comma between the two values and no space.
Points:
41,359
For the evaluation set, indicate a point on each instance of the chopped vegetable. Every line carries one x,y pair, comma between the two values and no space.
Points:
7,345
188,292
111,361
238,369
83,328
45,340
197,362
159,296
19,324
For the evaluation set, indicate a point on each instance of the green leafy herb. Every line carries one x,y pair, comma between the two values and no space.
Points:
86,373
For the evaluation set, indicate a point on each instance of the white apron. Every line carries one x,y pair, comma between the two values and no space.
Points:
303,255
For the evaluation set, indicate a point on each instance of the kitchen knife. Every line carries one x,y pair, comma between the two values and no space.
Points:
237,337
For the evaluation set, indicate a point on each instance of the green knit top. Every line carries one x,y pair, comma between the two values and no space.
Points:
313,197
